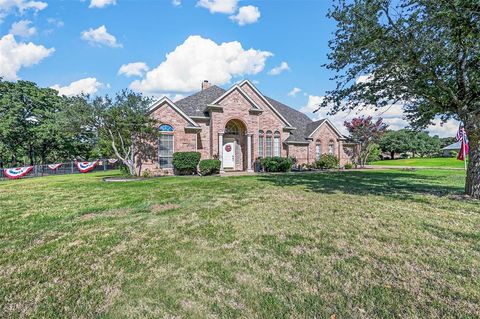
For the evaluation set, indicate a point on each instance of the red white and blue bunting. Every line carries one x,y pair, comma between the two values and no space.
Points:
85,167
54,167
112,160
17,172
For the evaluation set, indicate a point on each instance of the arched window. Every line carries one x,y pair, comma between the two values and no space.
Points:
261,136
331,147
268,144
318,149
276,143
165,146
232,128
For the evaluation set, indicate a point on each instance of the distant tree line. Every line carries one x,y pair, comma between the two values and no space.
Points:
416,143
39,126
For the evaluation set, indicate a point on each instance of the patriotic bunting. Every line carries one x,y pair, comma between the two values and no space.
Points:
85,167
54,167
113,160
17,172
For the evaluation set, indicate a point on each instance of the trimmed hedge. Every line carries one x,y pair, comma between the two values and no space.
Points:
276,164
185,163
327,161
209,166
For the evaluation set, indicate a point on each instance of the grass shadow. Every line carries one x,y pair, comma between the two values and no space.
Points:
396,184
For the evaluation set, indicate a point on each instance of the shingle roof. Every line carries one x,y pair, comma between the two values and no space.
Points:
312,126
296,118
196,104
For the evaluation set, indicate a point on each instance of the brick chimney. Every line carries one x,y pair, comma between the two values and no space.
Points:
205,85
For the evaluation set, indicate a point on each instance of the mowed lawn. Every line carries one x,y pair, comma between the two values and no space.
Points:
440,162
362,244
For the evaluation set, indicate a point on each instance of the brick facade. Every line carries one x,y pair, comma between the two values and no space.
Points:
251,113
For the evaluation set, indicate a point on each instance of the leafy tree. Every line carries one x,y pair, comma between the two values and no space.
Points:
124,122
395,142
423,53
423,144
366,133
446,141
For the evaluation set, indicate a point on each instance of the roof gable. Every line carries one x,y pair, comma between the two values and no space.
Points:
265,100
315,126
165,100
242,92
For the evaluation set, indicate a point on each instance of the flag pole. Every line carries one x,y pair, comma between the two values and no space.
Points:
464,156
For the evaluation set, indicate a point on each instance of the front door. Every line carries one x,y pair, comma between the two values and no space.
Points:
229,154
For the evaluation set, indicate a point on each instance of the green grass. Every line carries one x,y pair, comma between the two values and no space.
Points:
363,244
441,162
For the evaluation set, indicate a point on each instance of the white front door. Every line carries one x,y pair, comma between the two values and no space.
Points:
229,154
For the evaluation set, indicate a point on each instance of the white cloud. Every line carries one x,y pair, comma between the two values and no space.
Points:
176,3
133,69
199,59
22,28
393,116
100,36
101,3
86,86
56,22
20,6
219,6
294,91
246,15
15,55
279,69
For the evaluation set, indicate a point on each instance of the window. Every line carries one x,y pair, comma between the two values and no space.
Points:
276,144
261,136
165,146
331,148
268,144
232,128
318,150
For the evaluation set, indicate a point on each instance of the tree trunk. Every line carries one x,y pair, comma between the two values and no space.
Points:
472,184
392,155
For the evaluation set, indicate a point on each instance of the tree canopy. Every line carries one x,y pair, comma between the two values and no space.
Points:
422,53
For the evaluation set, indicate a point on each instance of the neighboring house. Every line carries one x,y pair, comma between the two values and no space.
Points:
452,147
238,126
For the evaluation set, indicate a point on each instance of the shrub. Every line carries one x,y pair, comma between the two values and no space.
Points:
209,166
348,166
277,164
453,153
327,161
185,163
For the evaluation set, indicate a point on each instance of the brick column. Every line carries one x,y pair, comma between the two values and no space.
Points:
249,152
220,150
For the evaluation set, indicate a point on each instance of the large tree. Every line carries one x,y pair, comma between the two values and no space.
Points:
124,124
423,53
395,142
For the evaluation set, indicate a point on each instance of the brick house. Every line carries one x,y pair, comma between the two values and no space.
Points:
239,125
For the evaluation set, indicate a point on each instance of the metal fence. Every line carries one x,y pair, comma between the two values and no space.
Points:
65,168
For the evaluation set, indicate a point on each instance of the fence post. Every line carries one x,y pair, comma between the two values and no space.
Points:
104,164
71,165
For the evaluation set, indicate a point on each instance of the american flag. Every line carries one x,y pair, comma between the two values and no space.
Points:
462,135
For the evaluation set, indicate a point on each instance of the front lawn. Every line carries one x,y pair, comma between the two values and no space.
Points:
364,244
441,162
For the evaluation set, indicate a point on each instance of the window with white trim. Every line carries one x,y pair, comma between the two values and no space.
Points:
318,150
268,144
331,147
276,143
165,146
261,136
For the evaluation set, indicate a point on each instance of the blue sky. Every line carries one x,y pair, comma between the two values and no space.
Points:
77,46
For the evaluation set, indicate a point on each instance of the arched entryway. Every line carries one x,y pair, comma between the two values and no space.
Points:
236,146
